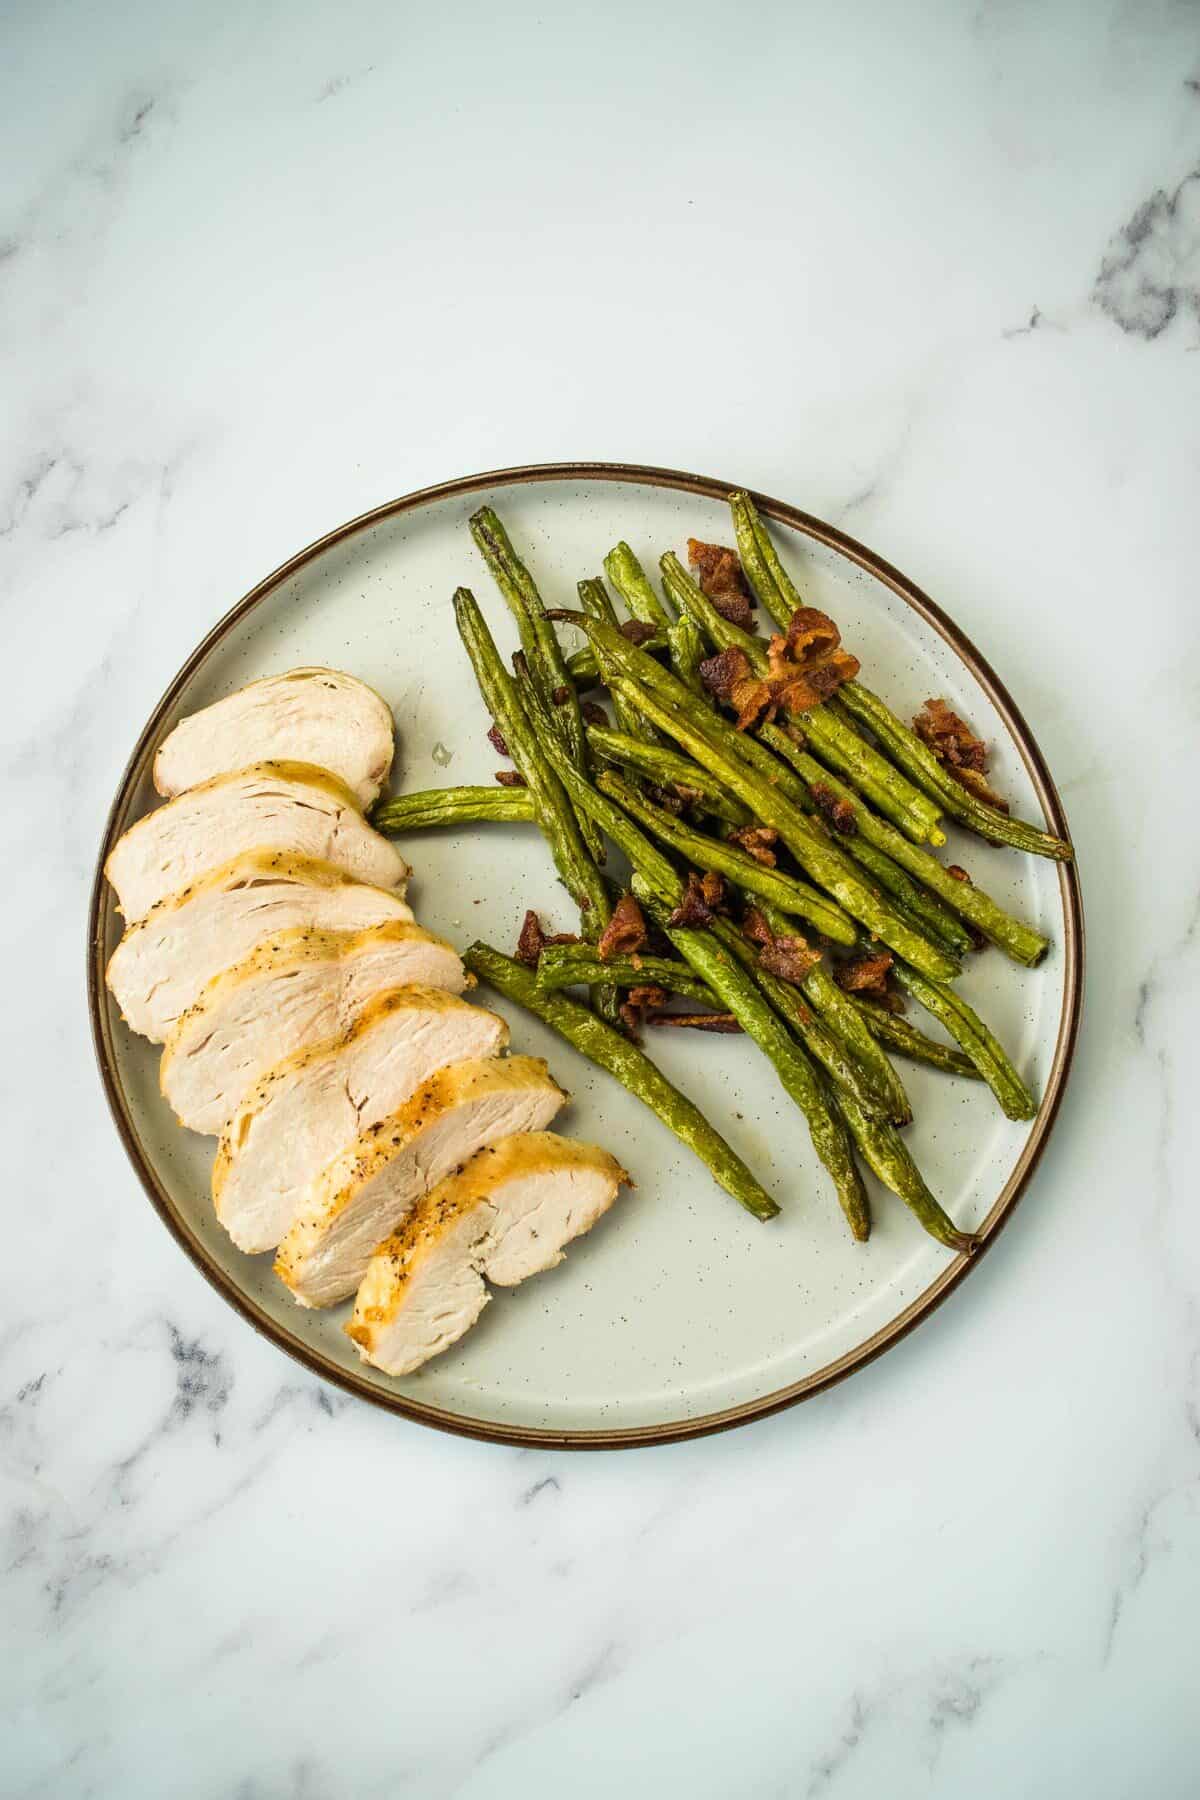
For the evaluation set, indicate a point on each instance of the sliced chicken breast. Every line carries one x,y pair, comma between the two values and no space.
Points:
297,989
302,1114
162,965
308,715
293,807
363,1195
502,1217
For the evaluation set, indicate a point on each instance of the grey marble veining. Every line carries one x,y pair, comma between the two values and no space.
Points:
932,271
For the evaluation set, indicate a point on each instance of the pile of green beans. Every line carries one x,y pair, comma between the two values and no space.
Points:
670,788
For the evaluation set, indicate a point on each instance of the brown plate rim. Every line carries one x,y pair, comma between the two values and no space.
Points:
932,1296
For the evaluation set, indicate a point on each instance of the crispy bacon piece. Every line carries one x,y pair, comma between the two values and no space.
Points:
719,575
757,841
496,740
671,800
790,958
807,663
561,694
625,933
840,813
729,676
533,940
509,777
755,926
867,975
956,745
637,1003
804,667
593,712
696,1021
980,786
701,898
957,871
637,630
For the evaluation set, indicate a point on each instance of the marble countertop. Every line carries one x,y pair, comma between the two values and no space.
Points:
931,272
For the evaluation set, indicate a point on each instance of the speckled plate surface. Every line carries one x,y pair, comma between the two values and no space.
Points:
678,1314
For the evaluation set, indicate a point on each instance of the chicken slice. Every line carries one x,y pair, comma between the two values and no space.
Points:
502,1217
163,964
293,807
297,1119
308,715
366,1191
296,989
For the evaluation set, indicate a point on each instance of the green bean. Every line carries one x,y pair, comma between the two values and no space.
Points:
593,597
886,1155
973,1037
664,765
453,806
631,1067
558,822
543,652
785,891
829,735
632,583
685,641
903,1039
578,965
907,749
584,670
763,569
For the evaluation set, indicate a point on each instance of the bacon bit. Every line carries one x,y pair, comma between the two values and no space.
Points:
509,778
755,927
866,975
980,786
958,872
696,908
719,575
957,747
496,740
807,663
790,958
625,931
811,635
712,886
533,940
757,841
650,995
672,800
840,813
637,1002
804,668
638,631
593,713
696,1021
561,694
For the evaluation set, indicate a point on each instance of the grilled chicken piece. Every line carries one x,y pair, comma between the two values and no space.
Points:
504,1216
366,1191
293,807
162,965
304,1112
296,989
308,715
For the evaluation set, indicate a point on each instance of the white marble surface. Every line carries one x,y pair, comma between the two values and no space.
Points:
931,271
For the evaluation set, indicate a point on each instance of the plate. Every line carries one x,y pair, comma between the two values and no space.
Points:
678,1314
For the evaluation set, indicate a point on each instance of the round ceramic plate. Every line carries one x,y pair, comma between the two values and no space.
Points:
679,1313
